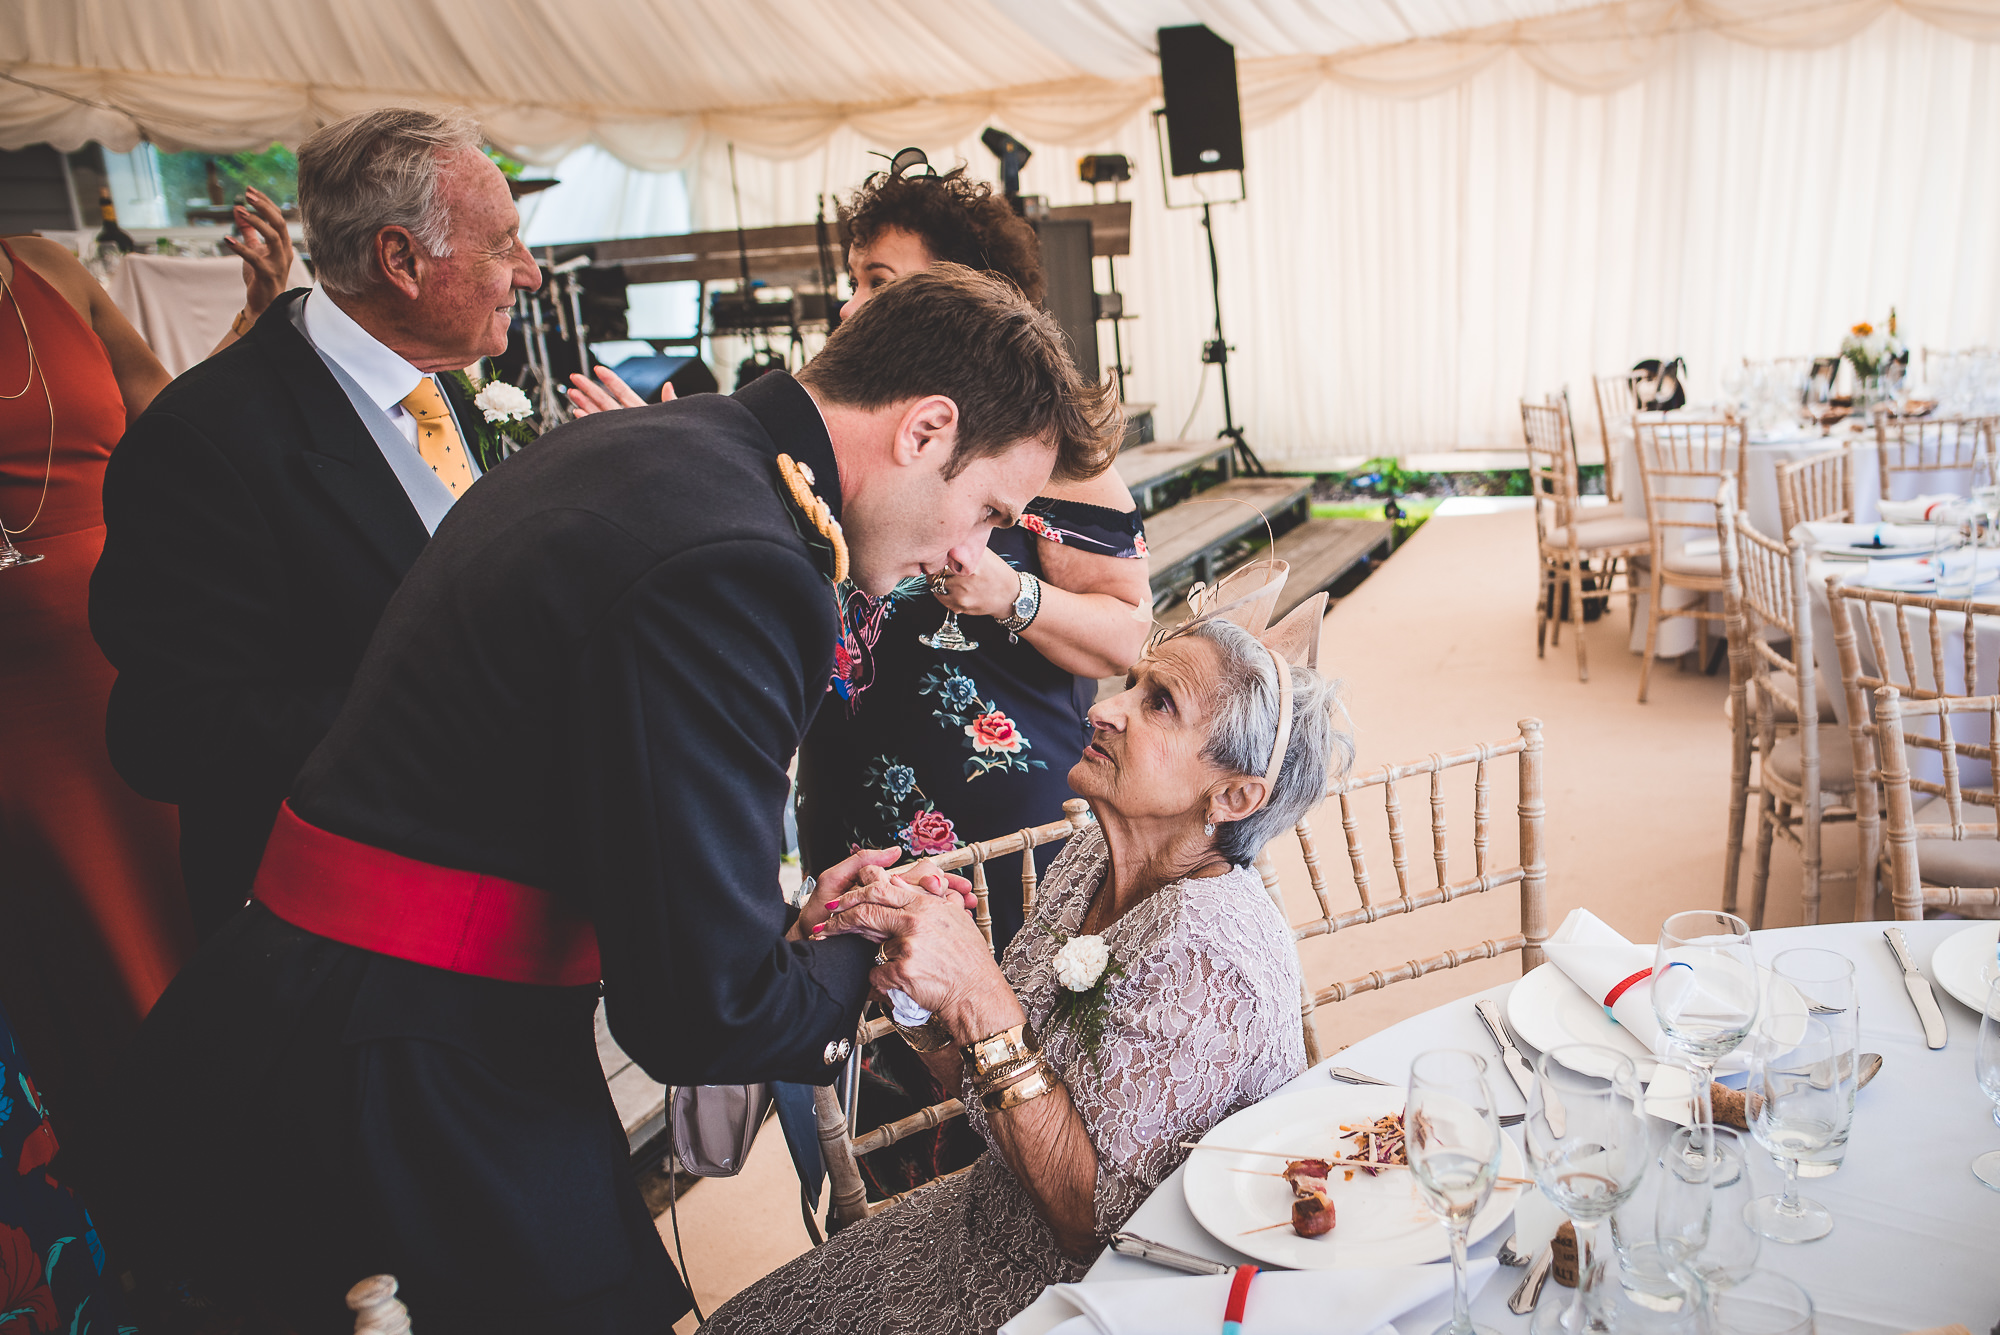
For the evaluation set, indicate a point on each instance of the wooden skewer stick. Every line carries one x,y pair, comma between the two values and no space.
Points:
1338,1163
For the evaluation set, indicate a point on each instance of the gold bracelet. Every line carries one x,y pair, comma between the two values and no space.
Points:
926,1037
1008,1072
995,1049
1013,1096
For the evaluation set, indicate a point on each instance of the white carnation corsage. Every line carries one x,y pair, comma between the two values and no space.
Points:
509,419
1085,970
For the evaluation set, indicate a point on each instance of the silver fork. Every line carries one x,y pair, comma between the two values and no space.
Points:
1349,1076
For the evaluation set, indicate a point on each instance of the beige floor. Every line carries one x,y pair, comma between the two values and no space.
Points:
1438,651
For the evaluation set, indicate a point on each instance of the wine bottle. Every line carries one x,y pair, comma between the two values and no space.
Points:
111,236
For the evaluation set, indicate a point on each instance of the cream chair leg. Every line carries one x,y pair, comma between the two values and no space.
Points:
849,1198
1760,871
1652,638
1544,609
1739,802
1576,618
1810,892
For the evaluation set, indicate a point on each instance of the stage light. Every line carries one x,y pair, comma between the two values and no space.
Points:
1013,155
1103,168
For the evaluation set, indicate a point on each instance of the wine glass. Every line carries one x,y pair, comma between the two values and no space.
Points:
1764,1303
1986,1066
1586,1138
1802,1105
1704,995
10,555
947,636
1824,981
1453,1142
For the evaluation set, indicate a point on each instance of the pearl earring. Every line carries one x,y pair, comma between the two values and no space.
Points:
1208,828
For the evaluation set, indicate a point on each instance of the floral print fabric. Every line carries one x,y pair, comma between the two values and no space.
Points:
52,1264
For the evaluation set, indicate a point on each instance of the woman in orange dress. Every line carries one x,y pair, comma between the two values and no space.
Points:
93,918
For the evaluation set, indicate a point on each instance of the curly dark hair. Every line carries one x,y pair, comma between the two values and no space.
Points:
960,220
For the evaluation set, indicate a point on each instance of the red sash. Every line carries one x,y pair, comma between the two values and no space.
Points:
463,921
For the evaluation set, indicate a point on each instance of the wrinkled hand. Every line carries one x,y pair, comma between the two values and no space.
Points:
586,398
838,878
265,247
987,590
937,955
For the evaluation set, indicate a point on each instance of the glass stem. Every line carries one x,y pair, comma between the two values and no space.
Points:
1461,1305
1589,1299
1701,1074
1788,1204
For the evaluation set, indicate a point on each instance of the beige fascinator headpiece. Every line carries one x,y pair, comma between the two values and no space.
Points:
1247,597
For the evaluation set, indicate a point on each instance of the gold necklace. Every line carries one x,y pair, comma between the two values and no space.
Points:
799,482
34,366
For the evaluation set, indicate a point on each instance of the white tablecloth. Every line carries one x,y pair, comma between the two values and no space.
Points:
182,306
1916,1239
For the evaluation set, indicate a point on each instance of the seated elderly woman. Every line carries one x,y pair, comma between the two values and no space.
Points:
1083,1098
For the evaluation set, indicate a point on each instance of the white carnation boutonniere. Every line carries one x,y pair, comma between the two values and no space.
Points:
508,418
1085,970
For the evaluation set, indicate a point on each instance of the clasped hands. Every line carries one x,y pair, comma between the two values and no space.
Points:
931,949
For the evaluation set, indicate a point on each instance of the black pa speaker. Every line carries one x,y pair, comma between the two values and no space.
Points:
1204,119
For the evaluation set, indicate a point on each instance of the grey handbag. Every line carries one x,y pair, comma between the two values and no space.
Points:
715,1125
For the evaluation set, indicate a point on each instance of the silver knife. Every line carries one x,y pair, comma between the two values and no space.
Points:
1510,1056
1131,1244
1919,988
1529,1291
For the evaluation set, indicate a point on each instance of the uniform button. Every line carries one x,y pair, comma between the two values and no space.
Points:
836,1051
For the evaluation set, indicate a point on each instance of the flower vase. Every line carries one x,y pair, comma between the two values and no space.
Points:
1868,392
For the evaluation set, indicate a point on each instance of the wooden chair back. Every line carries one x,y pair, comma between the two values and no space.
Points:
1530,872
1766,601
1930,445
1909,894
1814,489
840,1148
1918,664
1617,404
1552,477
1682,465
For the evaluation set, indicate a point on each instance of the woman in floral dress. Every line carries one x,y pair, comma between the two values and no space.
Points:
1192,1013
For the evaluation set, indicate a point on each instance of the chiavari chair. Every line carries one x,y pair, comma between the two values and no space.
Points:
1566,537
1682,466
1910,887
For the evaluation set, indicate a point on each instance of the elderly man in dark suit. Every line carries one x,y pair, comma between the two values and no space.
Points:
261,512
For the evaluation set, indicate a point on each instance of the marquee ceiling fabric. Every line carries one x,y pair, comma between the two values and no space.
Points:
656,81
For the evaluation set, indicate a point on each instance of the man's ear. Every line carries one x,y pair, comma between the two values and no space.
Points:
928,431
400,261
1239,797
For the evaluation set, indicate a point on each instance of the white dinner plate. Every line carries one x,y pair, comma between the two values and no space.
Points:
1377,1221
1964,963
1549,1011
1856,540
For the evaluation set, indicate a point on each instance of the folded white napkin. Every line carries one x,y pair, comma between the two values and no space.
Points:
1955,573
1839,536
1929,508
1281,1302
1593,955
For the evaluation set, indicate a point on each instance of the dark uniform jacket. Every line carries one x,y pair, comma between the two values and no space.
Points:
253,535
591,682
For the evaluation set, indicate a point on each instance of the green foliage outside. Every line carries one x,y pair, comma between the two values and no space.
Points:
184,177
511,168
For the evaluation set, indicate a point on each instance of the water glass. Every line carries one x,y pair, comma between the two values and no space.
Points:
1586,1137
1986,1068
1764,1303
1824,981
1705,994
1803,1104
1452,1138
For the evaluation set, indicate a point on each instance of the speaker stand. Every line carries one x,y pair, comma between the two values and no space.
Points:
1216,351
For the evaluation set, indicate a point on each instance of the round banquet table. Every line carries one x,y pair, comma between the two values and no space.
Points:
1916,1238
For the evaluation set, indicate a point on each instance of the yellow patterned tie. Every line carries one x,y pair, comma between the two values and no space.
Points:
438,440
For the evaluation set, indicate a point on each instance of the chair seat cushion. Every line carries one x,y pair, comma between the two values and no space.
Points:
1970,863
1608,531
1836,760
1684,563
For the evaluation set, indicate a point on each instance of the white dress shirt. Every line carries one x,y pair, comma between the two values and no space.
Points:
383,375
378,378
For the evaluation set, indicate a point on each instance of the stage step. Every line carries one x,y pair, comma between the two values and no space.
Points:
1186,542
1145,469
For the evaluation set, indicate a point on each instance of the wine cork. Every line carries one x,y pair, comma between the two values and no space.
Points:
1565,1267
1733,1107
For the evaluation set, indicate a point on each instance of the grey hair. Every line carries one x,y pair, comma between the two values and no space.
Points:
1243,727
374,170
